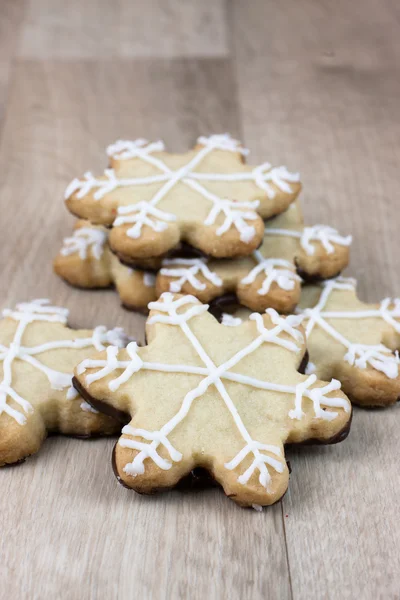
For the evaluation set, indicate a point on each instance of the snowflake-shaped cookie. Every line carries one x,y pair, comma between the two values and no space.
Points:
206,197
356,342
86,261
222,398
38,353
268,277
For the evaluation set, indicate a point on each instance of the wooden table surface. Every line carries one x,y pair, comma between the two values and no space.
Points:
314,85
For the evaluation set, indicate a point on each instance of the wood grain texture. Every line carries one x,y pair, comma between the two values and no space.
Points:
319,90
11,16
99,29
309,84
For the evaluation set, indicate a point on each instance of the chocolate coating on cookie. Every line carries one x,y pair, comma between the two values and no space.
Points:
197,480
225,303
182,250
119,415
315,277
335,439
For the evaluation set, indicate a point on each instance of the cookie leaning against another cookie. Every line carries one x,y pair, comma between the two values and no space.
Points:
204,395
38,353
354,342
86,261
268,278
206,197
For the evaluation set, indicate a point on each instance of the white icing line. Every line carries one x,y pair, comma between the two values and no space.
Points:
274,270
327,236
149,279
233,216
72,393
85,406
126,149
230,321
140,214
83,240
310,368
187,270
223,142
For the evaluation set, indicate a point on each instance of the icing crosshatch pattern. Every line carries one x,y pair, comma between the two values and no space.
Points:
222,381
208,191
37,356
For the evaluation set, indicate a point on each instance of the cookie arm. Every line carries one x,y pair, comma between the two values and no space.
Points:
282,200
80,273
221,238
84,259
321,264
255,475
72,415
20,440
136,288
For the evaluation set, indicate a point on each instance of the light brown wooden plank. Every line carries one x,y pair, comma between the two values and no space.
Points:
319,90
342,527
102,29
84,536
318,86
79,534
11,16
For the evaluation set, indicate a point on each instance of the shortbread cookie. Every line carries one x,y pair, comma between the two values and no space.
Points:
206,197
204,395
267,278
38,353
354,342
86,261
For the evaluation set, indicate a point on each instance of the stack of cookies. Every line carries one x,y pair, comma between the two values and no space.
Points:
251,335
201,223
